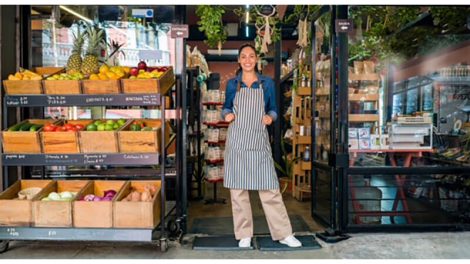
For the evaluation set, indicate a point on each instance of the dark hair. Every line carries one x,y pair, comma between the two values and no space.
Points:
240,50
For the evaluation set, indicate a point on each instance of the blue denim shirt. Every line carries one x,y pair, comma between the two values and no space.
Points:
269,93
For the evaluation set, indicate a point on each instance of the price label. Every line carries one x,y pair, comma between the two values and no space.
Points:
56,100
12,232
52,233
94,159
101,99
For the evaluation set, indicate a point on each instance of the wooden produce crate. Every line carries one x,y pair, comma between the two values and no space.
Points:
142,141
107,143
24,141
49,71
56,213
62,87
62,142
14,212
128,214
161,85
23,86
96,214
101,86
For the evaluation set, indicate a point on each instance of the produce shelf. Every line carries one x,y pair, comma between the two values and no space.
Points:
75,234
83,100
80,159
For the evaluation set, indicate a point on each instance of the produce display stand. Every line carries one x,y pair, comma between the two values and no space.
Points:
8,233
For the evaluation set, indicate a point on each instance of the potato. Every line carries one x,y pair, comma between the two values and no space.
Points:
146,196
135,196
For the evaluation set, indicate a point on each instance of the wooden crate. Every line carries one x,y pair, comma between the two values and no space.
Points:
62,87
56,213
24,141
161,85
22,86
49,71
101,86
62,142
137,214
142,141
107,143
306,165
96,214
14,212
304,91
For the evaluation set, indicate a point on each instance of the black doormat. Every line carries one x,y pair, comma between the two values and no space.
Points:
227,243
224,225
266,243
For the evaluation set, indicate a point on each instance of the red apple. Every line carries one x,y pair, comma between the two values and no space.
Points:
134,71
142,65
150,69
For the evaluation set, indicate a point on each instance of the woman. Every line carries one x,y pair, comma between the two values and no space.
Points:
249,107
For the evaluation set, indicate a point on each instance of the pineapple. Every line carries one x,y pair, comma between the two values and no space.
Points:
90,63
74,63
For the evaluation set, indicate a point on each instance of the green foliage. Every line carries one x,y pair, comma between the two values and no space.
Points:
287,170
301,12
210,22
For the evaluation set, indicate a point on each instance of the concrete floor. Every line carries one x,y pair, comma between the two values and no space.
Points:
359,246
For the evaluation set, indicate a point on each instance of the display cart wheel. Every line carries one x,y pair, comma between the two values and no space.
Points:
174,227
163,244
4,245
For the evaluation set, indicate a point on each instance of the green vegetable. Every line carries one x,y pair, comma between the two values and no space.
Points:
135,127
25,127
15,127
35,127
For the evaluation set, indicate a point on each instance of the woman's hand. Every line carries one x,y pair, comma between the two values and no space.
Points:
267,120
229,117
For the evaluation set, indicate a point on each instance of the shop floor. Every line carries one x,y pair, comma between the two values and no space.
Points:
227,243
265,243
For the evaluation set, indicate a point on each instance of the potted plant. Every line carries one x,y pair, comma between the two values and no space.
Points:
286,169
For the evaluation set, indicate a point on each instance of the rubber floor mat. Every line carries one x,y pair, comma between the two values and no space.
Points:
265,243
226,243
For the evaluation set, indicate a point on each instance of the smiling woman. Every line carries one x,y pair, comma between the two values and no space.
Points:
250,107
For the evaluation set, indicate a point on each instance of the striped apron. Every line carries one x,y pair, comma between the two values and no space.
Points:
248,158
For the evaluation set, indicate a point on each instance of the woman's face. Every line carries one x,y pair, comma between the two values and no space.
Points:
247,59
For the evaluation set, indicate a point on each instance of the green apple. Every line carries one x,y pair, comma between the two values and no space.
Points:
101,127
108,127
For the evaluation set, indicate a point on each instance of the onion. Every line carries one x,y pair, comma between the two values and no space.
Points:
109,193
97,199
89,197
107,198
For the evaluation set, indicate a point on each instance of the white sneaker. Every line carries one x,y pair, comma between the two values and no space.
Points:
291,241
244,242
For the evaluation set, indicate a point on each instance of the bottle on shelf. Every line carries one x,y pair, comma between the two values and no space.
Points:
306,154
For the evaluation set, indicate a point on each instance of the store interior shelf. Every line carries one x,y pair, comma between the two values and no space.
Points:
83,100
458,80
119,172
364,77
306,165
364,97
303,140
218,124
221,142
363,117
304,91
214,162
212,103
80,159
288,76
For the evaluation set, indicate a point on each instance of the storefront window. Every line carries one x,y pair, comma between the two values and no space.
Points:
408,91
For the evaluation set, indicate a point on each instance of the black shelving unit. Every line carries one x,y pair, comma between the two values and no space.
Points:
65,159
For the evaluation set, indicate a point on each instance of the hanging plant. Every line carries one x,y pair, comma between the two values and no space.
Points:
210,22
267,23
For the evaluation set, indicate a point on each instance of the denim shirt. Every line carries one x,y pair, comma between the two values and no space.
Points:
269,93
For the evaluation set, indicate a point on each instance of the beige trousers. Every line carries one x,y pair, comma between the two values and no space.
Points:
274,209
